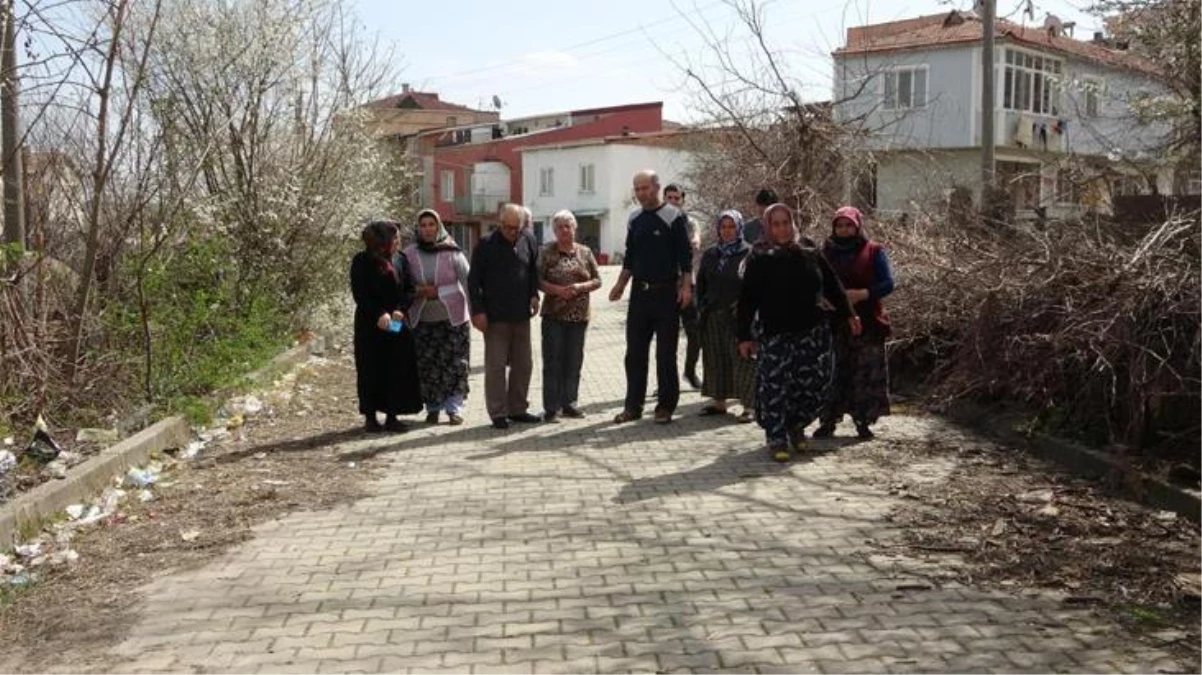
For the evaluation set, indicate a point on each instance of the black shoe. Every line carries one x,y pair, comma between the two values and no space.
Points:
396,426
693,380
454,419
550,417
863,432
500,423
572,412
525,418
824,431
373,426
432,418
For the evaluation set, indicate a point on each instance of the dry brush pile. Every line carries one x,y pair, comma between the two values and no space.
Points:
1094,327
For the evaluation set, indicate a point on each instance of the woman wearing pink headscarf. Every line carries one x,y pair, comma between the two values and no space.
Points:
789,290
862,373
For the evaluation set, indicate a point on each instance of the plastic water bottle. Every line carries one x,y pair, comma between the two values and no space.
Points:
395,326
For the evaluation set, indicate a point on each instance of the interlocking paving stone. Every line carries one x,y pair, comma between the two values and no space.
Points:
588,547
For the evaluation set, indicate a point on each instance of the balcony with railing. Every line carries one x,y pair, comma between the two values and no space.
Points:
479,204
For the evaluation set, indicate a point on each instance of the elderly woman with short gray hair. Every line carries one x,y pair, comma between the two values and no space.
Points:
567,273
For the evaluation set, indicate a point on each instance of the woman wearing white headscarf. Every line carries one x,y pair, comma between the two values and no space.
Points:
727,375
440,318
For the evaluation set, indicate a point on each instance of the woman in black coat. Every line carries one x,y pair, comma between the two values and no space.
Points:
385,361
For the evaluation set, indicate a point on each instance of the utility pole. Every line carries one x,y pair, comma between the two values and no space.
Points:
988,164
14,211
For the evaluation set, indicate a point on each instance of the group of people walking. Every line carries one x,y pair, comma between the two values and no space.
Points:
792,331
414,310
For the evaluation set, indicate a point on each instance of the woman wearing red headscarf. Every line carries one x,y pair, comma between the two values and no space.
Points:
862,375
385,361
789,290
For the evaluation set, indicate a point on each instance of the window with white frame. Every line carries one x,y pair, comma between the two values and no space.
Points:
1031,83
906,88
588,178
446,185
546,181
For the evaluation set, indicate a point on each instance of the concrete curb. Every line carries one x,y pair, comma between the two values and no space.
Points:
87,479
1076,458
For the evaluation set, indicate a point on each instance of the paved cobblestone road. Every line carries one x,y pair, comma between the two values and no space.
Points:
585,547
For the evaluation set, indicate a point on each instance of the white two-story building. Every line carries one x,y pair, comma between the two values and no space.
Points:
593,179
1065,132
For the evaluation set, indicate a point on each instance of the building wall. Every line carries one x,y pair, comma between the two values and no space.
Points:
614,164
1116,126
461,159
951,118
909,182
945,121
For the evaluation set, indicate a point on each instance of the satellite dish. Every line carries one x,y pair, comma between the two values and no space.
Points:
496,102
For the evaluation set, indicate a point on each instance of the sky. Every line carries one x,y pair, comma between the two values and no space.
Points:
539,56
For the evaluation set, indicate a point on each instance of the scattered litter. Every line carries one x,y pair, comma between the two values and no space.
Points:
93,514
1166,516
9,441
140,478
350,465
27,551
42,448
145,477
276,482
194,449
252,405
110,499
1049,511
998,529
56,469
1037,496
5,562
8,462
190,535
260,455
63,557
97,436
76,511
20,580
235,422
145,496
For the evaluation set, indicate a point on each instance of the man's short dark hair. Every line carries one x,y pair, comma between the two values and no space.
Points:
766,197
673,188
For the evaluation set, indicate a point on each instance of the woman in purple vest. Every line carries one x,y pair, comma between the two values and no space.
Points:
862,374
439,317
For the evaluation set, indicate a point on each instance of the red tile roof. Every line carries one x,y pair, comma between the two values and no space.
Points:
425,100
956,28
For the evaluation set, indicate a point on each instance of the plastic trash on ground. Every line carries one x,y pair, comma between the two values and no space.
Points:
42,447
8,462
97,436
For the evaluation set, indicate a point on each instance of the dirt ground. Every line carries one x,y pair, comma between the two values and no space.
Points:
280,462
1005,520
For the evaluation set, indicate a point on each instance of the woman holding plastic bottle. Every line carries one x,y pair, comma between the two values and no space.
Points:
385,362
